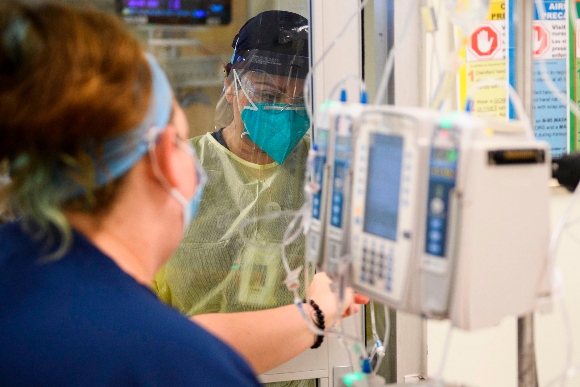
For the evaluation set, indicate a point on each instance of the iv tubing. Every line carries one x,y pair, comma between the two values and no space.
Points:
309,76
439,376
521,112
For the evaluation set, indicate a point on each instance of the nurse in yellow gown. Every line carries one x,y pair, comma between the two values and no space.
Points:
255,164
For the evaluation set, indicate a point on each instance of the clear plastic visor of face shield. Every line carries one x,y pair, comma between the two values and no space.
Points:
263,77
273,92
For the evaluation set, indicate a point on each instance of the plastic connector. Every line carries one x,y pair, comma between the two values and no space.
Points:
364,97
343,96
292,280
366,366
312,187
469,106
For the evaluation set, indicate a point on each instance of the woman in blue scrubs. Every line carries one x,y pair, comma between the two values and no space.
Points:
103,184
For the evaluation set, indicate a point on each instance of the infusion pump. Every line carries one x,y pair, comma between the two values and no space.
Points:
449,215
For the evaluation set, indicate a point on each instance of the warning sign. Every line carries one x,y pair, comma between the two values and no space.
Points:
541,40
485,42
485,53
550,48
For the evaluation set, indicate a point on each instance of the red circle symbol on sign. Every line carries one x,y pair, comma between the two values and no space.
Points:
484,42
541,40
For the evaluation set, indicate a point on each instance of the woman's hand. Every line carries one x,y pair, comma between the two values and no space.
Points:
327,300
358,299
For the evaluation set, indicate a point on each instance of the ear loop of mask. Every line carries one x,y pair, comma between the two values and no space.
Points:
238,81
151,143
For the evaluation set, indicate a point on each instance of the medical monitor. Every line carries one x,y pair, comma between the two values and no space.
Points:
175,12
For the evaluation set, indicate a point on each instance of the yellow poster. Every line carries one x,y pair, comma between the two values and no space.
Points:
485,57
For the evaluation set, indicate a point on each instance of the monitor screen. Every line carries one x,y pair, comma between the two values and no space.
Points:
183,12
383,183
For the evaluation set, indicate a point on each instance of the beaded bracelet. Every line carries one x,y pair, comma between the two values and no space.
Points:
318,321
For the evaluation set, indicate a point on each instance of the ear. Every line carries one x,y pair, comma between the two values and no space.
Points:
164,152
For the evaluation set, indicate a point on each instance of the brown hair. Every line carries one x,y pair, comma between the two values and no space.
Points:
67,77
76,75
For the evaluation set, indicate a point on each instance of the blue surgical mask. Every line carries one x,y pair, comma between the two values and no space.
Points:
191,206
276,128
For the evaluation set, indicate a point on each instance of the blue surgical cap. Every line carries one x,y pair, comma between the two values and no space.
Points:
121,153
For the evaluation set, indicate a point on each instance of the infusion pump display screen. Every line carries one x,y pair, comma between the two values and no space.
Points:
383,183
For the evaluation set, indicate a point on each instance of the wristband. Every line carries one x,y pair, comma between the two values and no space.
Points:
318,320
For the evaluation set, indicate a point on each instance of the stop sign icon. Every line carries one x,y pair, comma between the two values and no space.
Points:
541,40
485,41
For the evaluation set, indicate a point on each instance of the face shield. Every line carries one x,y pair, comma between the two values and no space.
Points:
262,100
231,257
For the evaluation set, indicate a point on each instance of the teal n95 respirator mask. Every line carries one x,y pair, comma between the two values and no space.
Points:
274,117
276,128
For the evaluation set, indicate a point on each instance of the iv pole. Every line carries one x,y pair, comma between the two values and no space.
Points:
524,12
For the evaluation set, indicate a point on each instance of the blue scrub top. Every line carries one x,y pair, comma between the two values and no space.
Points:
82,321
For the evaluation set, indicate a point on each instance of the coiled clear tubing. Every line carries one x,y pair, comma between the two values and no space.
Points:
467,14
